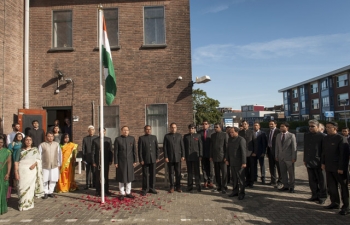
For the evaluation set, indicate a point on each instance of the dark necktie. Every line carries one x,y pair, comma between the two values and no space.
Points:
283,138
270,138
205,135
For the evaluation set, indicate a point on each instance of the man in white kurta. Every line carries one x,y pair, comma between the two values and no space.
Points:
51,157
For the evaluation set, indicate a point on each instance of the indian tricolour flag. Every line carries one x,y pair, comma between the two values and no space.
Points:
110,80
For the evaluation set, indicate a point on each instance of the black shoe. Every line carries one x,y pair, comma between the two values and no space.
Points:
344,212
232,195
199,190
332,206
263,182
241,197
223,192
251,185
45,196
291,190
86,188
153,191
98,194
321,201
143,193
189,189
121,198
130,196
312,199
108,193
51,195
283,189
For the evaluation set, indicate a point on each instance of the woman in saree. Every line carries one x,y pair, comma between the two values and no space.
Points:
66,181
14,146
5,169
28,173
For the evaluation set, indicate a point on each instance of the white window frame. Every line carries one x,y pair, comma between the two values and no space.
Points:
325,101
295,107
339,98
315,103
324,84
314,88
295,92
342,80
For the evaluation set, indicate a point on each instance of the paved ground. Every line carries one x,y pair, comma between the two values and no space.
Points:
263,205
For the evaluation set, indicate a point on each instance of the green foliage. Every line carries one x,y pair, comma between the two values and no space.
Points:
206,107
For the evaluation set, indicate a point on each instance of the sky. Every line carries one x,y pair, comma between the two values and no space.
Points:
253,48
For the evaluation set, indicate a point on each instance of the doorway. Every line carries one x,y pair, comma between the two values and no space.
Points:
58,113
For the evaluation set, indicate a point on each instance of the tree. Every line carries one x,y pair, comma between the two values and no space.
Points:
206,107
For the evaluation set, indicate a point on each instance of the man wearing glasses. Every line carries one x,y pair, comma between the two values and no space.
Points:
217,155
207,166
335,147
312,161
193,154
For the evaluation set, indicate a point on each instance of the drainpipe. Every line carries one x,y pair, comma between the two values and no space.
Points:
26,55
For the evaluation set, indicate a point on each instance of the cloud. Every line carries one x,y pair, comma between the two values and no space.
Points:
222,6
279,48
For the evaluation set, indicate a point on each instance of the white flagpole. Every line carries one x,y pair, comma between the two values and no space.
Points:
102,178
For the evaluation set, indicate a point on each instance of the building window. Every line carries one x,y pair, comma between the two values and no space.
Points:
314,88
314,103
111,121
324,84
303,104
342,80
62,29
316,117
285,94
301,90
325,101
250,108
286,107
295,107
295,93
111,18
343,99
157,118
154,25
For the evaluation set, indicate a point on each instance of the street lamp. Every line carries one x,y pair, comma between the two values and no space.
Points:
344,102
201,80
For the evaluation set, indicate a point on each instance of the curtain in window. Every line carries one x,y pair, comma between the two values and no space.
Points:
156,117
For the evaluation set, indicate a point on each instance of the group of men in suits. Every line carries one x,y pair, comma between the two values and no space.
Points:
326,158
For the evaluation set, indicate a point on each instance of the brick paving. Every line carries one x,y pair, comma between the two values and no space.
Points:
262,205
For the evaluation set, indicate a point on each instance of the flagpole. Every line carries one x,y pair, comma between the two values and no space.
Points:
102,177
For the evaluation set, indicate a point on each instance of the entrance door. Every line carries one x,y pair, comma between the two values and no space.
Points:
58,113
26,117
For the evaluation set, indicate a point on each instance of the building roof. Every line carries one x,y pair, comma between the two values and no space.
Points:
343,69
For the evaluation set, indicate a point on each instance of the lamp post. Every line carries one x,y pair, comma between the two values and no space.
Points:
194,117
344,102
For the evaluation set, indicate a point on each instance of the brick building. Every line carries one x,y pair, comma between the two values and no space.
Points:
150,42
318,97
11,61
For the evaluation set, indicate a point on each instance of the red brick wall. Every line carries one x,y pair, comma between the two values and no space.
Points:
11,61
144,76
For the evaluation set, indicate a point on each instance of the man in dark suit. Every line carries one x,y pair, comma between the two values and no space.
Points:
261,144
87,151
207,166
148,157
193,154
218,147
335,154
312,161
125,161
236,158
37,134
251,149
345,132
96,161
271,145
174,153
286,155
